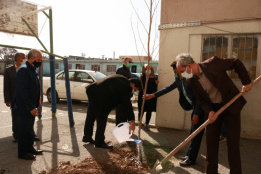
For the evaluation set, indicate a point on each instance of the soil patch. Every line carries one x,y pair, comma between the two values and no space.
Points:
121,160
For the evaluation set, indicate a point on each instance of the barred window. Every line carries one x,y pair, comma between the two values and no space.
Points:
111,68
56,66
243,47
95,67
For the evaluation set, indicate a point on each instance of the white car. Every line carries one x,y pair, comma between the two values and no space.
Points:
79,80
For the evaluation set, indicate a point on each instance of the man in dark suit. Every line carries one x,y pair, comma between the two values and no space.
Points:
25,102
188,102
104,95
9,89
125,71
213,88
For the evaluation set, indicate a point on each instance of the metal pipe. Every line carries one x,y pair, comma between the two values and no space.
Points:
34,33
68,92
52,66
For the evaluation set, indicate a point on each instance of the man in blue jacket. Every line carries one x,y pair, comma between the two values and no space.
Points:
25,102
187,102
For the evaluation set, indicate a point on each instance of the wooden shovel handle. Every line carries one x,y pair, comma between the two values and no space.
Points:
187,140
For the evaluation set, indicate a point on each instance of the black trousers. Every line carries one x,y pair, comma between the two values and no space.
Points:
101,118
15,123
233,125
25,137
196,141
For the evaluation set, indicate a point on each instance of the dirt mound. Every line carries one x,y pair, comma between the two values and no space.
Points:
121,160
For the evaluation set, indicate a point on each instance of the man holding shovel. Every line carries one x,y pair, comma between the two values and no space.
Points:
213,88
188,102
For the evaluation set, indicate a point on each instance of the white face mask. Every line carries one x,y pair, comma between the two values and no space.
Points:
187,75
148,72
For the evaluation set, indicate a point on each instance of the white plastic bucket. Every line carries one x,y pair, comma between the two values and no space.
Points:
121,132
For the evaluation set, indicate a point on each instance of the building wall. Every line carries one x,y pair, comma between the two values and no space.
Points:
176,11
88,65
189,39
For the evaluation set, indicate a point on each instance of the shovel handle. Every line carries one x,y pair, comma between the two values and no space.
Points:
189,138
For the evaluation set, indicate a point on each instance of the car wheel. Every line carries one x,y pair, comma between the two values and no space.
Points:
49,96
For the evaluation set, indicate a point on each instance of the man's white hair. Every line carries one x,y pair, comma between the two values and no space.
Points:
184,59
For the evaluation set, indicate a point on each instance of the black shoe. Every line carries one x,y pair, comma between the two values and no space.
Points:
27,157
87,140
187,162
36,138
15,140
36,152
183,157
105,146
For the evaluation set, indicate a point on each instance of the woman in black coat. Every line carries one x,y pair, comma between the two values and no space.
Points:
150,105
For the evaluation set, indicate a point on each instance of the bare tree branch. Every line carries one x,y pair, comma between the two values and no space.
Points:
155,8
141,39
147,5
139,17
135,41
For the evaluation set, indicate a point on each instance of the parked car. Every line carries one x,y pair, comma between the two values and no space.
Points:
79,80
135,75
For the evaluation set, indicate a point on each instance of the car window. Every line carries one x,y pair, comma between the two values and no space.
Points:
71,75
97,75
61,76
83,77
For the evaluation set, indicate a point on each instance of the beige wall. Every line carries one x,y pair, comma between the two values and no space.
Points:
176,11
189,39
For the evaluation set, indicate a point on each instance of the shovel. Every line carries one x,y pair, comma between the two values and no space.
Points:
158,165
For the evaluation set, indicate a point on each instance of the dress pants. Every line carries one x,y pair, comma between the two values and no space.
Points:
15,123
196,141
25,138
233,125
101,118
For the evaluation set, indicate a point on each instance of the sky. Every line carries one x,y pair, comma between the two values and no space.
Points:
93,28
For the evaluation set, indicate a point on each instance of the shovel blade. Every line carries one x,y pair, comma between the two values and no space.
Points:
157,167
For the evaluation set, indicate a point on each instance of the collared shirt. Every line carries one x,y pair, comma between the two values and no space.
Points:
214,95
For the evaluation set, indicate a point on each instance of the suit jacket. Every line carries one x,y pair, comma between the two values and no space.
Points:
27,91
9,83
182,100
110,92
215,70
123,70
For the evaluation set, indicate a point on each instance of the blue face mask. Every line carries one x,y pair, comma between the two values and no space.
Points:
176,75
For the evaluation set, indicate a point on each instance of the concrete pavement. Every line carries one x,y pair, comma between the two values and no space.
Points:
62,143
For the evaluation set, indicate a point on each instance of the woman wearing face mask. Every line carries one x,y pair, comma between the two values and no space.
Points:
150,105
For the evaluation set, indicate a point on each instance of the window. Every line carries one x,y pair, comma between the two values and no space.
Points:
56,66
214,46
83,77
243,47
111,68
80,66
95,67
62,76
69,66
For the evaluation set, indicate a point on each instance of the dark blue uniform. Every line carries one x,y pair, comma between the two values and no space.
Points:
26,98
187,102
